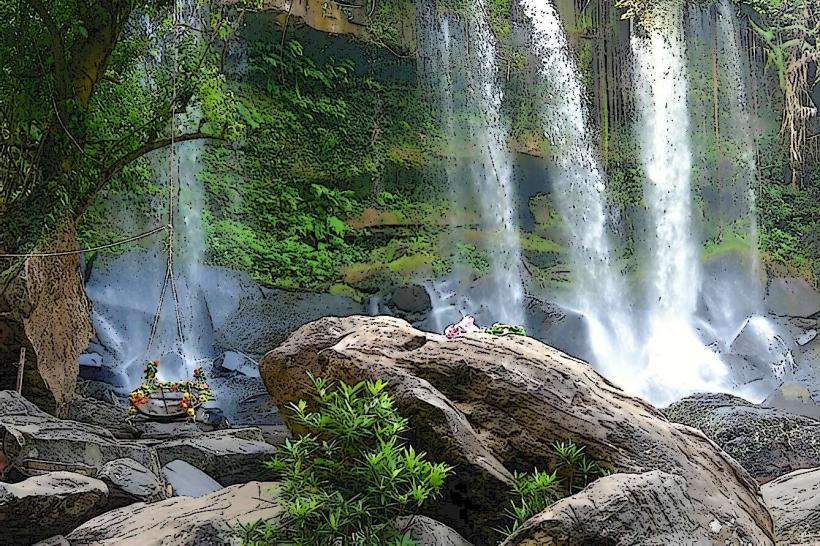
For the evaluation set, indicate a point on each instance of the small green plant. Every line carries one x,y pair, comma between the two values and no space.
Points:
500,329
534,492
351,475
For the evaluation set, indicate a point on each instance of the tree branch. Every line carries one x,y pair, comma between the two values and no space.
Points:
57,46
114,168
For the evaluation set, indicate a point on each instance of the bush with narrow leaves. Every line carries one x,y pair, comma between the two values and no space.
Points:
351,475
532,493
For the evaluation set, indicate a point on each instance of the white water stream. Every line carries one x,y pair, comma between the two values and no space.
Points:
460,57
580,193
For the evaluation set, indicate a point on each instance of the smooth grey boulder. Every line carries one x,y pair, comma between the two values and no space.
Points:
767,442
229,456
428,532
103,414
34,442
411,301
627,510
794,502
48,505
188,481
129,482
792,297
182,521
795,398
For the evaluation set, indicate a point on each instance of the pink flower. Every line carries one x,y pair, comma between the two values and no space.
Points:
464,326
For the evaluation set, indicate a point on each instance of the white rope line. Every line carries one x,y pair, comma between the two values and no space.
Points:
172,189
84,250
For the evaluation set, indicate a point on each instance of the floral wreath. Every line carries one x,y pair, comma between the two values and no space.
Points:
142,394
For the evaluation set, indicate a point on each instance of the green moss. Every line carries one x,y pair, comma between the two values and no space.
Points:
534,243
412,265
732,242
339,289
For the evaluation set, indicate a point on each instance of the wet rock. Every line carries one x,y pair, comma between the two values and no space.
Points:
97,390
561,328
429,532
792,297
103,414
35,442
488,404
228,456
238,362
253,319
624,510
48,505
795,398
130,482
188,481
412,299
767,346
182,521
767,442
794,501
249,404
152,430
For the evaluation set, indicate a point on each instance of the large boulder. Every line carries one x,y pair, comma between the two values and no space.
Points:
182,521
793,297
44,310
794,501
130,482
47,505
33,442
488,405
767,442
229,456
624,510
795,398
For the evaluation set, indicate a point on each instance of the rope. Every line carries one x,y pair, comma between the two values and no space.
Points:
173,188
84,250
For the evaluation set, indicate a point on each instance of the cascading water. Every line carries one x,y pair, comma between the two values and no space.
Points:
677,361
599,290
123,318
460,60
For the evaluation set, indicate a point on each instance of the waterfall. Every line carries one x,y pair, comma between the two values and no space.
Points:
126,292
599,290
677,361
460,59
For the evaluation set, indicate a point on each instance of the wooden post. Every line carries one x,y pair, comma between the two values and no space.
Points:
20,366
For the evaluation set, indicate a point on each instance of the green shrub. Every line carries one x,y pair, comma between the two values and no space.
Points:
351,475
533,492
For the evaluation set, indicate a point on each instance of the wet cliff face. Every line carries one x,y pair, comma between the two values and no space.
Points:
387,23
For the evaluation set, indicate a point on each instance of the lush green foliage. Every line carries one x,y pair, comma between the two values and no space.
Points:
86,91
351,475
535,491
321,135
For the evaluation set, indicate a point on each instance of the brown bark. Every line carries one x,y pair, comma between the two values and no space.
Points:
46,311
